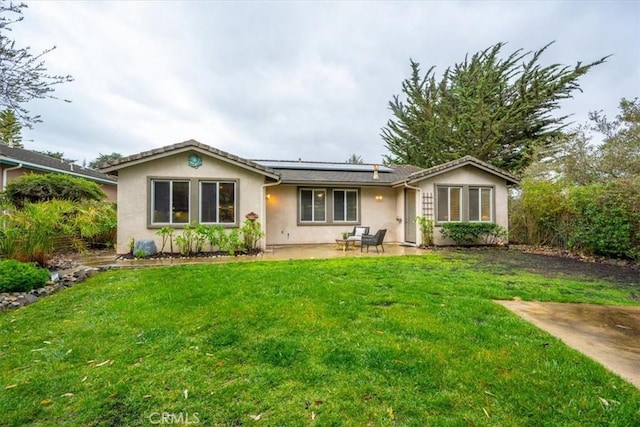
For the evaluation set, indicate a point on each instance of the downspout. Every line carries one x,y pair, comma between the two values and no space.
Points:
418,201
263,209
5,175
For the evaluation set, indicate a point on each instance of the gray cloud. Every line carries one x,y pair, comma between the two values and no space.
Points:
291,80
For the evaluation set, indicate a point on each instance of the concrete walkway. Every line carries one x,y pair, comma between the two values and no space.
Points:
608,334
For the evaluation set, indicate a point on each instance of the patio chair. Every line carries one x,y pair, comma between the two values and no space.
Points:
373,240
356,234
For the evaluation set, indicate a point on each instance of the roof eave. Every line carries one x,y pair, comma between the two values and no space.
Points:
325,183
439,170
33,166
158,154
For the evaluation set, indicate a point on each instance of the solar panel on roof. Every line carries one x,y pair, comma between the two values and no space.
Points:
349,167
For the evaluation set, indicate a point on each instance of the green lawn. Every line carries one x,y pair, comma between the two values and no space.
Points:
370,341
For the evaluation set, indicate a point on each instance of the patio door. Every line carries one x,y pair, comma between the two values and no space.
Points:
409,215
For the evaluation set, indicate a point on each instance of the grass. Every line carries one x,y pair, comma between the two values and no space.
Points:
374,341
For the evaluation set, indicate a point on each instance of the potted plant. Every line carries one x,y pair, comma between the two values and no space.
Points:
345,235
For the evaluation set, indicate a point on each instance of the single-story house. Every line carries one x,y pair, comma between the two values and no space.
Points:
299,202
15,162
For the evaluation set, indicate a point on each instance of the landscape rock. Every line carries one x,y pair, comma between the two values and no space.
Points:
146,245
64,274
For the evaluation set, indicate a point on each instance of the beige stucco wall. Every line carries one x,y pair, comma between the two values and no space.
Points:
468,175
282,225
110,190
133,192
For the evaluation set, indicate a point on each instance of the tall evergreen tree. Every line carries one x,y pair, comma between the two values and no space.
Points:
10,129
104,158
355,159
498,110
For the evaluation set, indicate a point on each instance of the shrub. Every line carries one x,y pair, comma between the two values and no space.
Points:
541,214
473,233
30,234
426,230
607,219
252,234
167,236
33,188
18,276
96,223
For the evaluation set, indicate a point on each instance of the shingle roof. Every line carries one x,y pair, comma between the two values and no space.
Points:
36,161
313,173
183,146
333,175
464,161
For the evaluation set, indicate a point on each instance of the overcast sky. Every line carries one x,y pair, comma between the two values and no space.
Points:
289,80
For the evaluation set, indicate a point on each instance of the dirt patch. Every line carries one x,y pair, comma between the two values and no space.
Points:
554,264
608,334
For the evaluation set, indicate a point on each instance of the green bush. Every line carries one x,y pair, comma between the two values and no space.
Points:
33,188
596,219
472,233
540,214
30,234
426,230
607,219
252,232
18,276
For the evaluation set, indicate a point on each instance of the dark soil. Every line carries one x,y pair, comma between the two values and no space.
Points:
217,254
554,263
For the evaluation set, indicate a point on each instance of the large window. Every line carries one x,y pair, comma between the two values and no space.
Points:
329,205
182,201
480,204
345,205
313,205
449,204
170,202
464,203
217,202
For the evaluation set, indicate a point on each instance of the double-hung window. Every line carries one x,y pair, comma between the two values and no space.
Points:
217,202
449,204
170,202
313,205
345,205
480,204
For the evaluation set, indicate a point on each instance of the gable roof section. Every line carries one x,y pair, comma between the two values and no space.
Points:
31,160
189,145
315,173
455,164
327,173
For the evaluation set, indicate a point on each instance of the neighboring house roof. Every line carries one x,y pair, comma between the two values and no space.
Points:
455,164
310,173
184,146
32,160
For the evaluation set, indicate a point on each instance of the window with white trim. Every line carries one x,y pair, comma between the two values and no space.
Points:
313,203
170,202
345,205
217,202
480,204
449,204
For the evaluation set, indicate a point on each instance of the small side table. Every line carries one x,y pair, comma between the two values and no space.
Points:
344,244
